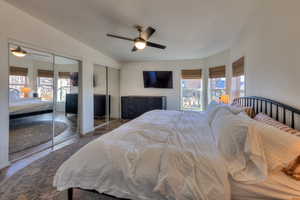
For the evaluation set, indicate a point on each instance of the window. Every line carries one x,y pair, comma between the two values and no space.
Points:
18,78
191,90
238,78
216,88
216,83
17,82
45,88
63,88
238,86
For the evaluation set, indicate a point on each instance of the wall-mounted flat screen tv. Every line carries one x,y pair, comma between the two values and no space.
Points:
74,76
158,79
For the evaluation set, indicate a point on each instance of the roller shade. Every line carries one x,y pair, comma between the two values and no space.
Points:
238,67
217,72
191,74
64,74
45,73
18,71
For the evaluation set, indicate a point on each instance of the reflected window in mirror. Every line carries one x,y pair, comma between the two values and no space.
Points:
17,82
45,88
63,88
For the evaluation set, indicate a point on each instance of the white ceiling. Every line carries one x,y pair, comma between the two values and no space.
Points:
190,28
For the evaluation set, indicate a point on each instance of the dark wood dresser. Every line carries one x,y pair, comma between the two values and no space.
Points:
134,106
71,106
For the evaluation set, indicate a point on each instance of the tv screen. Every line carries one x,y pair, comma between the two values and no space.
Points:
74,76
158,79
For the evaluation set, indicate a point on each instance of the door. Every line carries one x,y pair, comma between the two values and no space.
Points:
31,92
66,100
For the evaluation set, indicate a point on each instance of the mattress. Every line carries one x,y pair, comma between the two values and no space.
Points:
277,186
30,105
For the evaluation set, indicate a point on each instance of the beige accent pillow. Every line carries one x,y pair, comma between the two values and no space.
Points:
281,149
272,122
293,169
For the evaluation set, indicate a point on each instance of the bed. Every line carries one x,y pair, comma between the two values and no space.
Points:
177,155
22,107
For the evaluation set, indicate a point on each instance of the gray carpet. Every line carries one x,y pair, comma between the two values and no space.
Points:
35,181
24,135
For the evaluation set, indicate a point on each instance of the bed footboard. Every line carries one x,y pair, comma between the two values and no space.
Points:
70,194
71,190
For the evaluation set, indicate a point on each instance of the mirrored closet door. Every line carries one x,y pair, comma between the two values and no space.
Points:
66,104
31,91
43,95
114,93
101,98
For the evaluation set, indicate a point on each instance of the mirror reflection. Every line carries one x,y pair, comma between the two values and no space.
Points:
31,93
101,98
106,95
67,83
43,100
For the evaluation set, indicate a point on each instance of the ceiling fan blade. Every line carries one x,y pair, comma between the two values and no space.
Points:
134,49
119,37
155,45
147,33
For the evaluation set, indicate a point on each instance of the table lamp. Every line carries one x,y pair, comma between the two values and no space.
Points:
26,91
224,99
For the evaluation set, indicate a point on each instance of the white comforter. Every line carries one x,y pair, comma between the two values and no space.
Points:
160,155
28,105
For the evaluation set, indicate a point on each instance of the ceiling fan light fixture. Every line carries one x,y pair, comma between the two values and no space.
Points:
140,43
19,52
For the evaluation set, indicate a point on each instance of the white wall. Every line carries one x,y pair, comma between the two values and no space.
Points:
132,76
18,26
270,43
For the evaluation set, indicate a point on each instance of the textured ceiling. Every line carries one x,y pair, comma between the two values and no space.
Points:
190,28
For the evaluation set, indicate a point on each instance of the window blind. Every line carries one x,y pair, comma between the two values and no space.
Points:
18,71
64,74
45,73
217,72
238,67
191,74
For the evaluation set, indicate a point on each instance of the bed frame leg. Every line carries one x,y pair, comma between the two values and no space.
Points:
70,194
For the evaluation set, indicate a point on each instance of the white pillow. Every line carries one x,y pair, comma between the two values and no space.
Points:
14,95
280,147
213,109
241,147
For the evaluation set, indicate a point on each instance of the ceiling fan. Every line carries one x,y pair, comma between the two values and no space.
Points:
142,40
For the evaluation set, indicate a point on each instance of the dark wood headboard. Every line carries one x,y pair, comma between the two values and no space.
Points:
279,111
